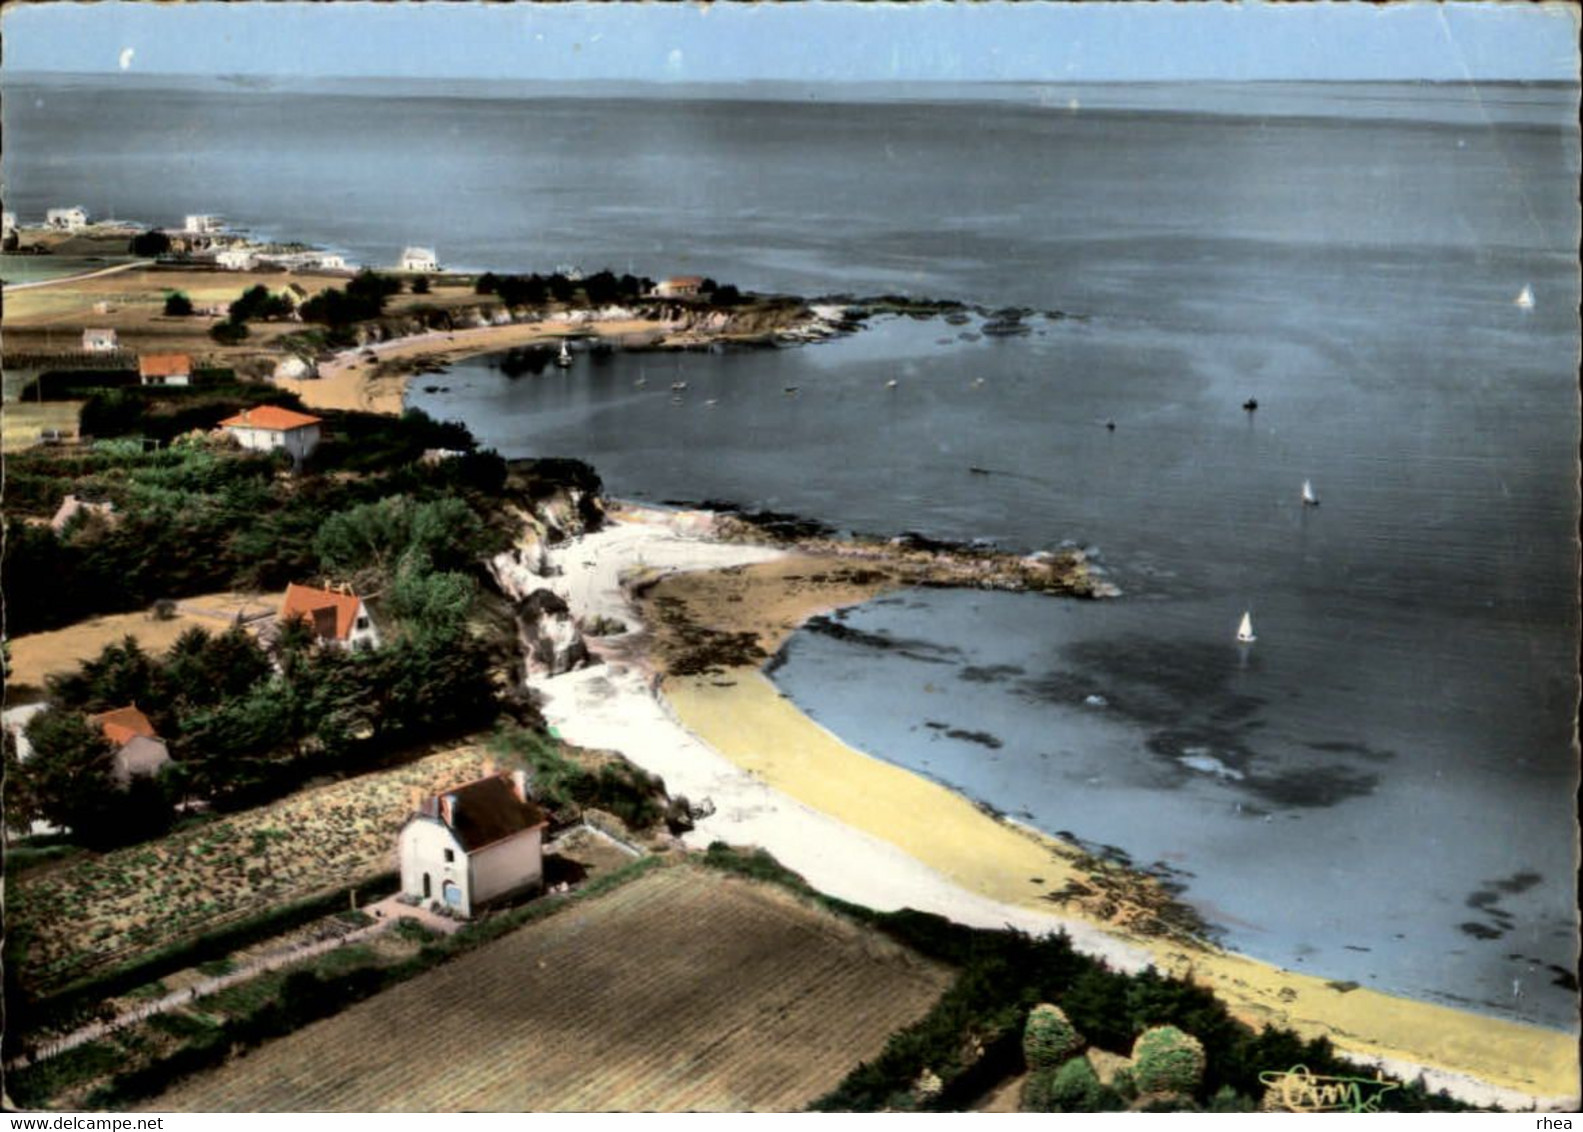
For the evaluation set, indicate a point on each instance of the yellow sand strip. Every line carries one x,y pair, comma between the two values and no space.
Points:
743,716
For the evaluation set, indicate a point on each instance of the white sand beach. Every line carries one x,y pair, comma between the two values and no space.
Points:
850,845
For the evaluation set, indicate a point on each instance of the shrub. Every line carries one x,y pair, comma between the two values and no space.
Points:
1049,1037
178,305
1166,1060
228,333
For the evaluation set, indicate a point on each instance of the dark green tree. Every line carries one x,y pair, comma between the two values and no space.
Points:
177,305
150,243
228,333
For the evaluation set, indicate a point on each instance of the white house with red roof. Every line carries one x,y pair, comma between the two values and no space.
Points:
165,369
679,287
473,844
270,428
139,753
338,618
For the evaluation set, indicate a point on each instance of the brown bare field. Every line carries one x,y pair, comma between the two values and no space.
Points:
96,912
37,655
684,990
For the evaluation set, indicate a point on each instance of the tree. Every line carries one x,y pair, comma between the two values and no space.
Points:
258,303
70,779
420,285
426,603
228,333
487,284
150,243
1049,1037
727,296
602,288
120,675
177,305
1166,1060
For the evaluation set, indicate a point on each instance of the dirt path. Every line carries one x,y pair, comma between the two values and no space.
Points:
79,277
205,987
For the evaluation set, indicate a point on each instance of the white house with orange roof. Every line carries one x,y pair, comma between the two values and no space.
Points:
679,287
139,753
473,844
270,428
165,369
338,618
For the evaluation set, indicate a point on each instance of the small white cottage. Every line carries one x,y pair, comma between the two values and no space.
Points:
474,844
203,224
419,259
100,341
236,259
67,219
266,428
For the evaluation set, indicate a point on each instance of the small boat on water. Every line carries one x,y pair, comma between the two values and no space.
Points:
678,386
1525,298
564,358
1309,498
1251,405
1245,630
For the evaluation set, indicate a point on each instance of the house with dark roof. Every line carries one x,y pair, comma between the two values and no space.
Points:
473,844
139,753
337,617
268,428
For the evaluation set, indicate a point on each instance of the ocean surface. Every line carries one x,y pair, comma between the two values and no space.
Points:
1381,789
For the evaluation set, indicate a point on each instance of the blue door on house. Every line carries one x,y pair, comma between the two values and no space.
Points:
452,893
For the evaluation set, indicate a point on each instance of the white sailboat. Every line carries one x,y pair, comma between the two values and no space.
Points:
1525,298
1245,630
1309,498
564,359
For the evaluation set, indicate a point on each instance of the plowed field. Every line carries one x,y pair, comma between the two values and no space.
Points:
684,990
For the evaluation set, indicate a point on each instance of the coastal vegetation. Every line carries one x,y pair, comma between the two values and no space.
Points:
976,1036
196,516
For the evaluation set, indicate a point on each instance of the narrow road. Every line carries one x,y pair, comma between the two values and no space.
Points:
80,277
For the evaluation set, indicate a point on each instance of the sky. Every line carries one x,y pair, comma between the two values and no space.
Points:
814,41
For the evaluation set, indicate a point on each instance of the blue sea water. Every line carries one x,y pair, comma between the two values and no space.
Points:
1381,788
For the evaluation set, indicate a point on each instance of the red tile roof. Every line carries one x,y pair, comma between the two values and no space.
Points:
331,614
164,365
271,417
123,724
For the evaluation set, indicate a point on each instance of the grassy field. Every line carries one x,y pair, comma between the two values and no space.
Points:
97,912
36,655
24,424
683,991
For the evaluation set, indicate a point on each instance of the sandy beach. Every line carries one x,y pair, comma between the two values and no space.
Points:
863,830
354,381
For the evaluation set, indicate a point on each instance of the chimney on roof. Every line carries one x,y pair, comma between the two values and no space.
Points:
519,784
448,809
489,767
415,798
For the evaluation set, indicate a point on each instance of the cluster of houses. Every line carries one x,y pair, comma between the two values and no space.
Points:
459,850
